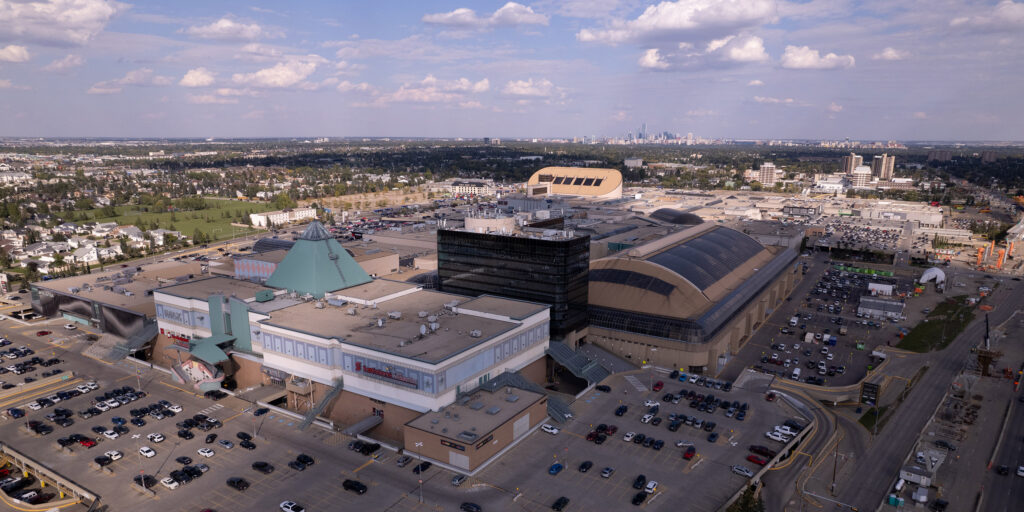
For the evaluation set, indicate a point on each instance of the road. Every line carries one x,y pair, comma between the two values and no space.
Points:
868,478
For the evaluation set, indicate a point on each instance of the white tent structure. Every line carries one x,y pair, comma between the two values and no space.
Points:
933,273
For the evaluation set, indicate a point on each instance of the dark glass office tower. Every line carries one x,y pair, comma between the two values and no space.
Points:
550,270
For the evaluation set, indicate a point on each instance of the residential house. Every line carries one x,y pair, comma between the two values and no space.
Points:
87,255
80,241
109,253
104,228
159,234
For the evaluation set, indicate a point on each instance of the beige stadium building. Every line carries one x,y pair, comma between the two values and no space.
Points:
689,300
576,181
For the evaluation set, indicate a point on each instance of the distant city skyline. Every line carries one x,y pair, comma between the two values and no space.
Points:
867,70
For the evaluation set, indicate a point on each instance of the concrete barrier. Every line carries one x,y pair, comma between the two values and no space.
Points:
148,492
65,486
10,394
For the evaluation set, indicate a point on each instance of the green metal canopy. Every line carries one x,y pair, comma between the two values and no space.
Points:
317,264
207,349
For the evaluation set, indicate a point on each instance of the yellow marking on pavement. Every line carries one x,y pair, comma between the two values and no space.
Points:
42,391
360,468
179,389
125,377
231,418
97,359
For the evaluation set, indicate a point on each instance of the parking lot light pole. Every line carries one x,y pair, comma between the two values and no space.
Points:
419,444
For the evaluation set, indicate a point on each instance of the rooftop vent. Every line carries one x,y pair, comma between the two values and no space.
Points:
394,315
512,398
351,311
494,410
422,314
319,305
476,406
475,333
468,436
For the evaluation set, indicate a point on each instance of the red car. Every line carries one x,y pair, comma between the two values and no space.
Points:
658,385
612,429
770,397
43,333
689,453
760,461
592,435
88,443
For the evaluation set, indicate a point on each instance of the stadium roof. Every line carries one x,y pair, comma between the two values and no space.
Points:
579,181
673,216
271,244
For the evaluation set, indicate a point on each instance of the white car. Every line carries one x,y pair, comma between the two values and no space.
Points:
647,418
291,506
651,403
775,436
70,327
549,429
113,404
829,356
155,437
693,379
205,452
114,454
82,388
175,407
34,406
102,406
651,487
147,452
169,483
110,434
53,398
680,444
92,385
1020,470
629,436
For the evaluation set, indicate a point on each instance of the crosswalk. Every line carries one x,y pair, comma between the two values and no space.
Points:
211,408
636,383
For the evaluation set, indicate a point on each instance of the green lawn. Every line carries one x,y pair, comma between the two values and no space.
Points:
868,418
210,220
941,327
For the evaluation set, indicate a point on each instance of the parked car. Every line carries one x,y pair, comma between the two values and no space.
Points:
354,486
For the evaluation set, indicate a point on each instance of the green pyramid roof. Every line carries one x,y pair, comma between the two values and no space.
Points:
317,264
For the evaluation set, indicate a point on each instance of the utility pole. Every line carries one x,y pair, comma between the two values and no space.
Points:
835,458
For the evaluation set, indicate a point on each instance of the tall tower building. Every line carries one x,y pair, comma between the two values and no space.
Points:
766,175
861,176
851,162
882,166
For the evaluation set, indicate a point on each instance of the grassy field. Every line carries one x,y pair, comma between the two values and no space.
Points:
868,418
941,327
210,220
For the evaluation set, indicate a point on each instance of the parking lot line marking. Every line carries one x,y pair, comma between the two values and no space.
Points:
41,391
233,417
176,387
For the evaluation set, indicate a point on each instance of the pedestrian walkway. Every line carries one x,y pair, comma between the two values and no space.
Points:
636,383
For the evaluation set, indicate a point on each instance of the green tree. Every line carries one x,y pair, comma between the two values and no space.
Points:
282,201
747,502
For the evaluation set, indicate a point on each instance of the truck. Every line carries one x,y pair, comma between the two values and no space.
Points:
796,374
809,338
793,321
842,330
830,339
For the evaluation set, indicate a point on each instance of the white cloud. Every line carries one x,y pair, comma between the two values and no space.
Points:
803,57
542,88
68,62
55,22
14,53
835,107
347,86
684,18
142,77
890,53
755,83
471,104
198,77
210,99
344,67
700,112
510,14
621,115
257,51
744,48
1006,15
920,115
774,101
226,29
5,84
429,90
283,74
228,91
651,59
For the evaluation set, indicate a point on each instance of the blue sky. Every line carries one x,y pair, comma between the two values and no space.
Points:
863,69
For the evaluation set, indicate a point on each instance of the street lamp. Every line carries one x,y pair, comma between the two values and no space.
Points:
419,444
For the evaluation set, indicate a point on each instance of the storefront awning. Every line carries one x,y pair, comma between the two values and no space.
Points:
207,349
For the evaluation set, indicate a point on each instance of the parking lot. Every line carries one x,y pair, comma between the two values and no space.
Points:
704,482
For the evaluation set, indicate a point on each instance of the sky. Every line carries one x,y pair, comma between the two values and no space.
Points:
767,69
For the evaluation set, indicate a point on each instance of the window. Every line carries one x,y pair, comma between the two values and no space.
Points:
577,181
597,182
558,180
588,182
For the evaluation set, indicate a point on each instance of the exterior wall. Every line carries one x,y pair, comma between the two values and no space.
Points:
349,408
160,354
382,266
689,356
535,372
489,444
247,372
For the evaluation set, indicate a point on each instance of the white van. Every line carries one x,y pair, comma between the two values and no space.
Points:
793,321
796,374
900,485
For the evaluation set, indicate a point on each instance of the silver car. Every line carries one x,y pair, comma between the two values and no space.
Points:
742,471
403,461
458,479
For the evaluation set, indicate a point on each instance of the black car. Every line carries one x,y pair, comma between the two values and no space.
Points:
621,410
638,498
296,465
244,436
64,441
185,434
263,467
355,486
369,448
942,443
184,460
305,459
103,460
658,444
1003,470
248,445
639,482
146,481
261,411
180,476
639,438
656,421
421,467
603,388
138,422
586,466
240,484
470,507
120,429
211,438
560,504
192,471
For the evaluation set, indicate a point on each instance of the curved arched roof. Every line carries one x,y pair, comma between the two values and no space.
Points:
707,258
933,273
674,216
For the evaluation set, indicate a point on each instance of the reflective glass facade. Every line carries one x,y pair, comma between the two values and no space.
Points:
546,271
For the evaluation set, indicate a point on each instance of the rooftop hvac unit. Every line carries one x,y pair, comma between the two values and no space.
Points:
422,314
394,315
512,398
432,318
494,410
351,311
128,293
423,330
73,290
319,305
380,322
452,304
337,302
475,333
404,343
